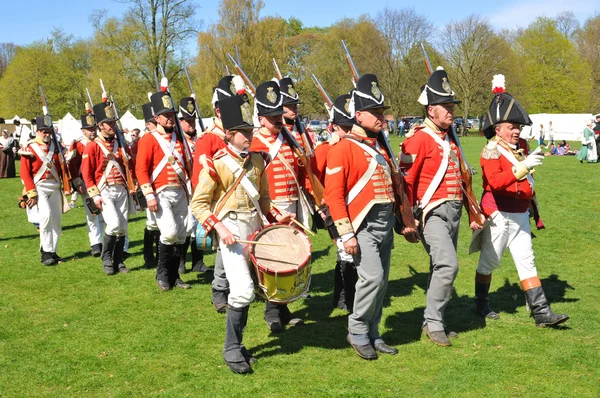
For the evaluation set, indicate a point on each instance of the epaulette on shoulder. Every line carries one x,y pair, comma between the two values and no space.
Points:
334,139
490,151
220,153
413,130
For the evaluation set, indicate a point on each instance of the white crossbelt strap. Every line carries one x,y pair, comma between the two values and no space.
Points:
273,149
168,149
362,182
111,163
512,159
248,186
45,163
439,174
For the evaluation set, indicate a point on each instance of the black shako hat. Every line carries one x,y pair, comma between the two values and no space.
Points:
340,113
288,92
236,112
148,113
268,99
2,121
367,95
162,103
42,124
504,108
225,88
88,121
104,112
187,109
437,90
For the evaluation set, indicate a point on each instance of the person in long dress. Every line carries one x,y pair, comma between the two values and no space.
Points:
588,144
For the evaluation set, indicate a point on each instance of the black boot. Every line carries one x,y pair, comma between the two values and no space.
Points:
482,298
47,259
108,249
219,300
184,248
272,317
338,287
232,350
540,309
174,279
118,256
165,255
149,259
349,277
198,258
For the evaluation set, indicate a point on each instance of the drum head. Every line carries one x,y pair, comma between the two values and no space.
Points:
294,255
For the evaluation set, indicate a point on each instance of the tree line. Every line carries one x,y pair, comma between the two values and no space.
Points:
552,65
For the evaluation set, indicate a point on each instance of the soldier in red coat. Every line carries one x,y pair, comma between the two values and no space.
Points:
103,172
360,196
95,223
508,191
41,175
282,173
163,177
434,184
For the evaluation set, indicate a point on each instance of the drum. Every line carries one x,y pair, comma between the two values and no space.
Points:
205,241
282,273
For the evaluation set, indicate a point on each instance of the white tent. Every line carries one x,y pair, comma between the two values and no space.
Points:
69,129
567,126
129,122
25,132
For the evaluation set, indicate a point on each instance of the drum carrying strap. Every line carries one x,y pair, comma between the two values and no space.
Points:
248,186
439,174
111,163
47,164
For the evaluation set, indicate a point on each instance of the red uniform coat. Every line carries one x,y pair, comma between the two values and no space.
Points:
76,157
149,156
31,164
346,164
206,146
501,188
94,163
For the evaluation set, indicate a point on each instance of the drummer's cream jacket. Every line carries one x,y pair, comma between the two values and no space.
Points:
214,181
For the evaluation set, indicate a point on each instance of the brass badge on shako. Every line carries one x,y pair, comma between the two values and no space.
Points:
246,113
292,91
190,107
375,90
347,105
108,111
90,120
166,101
271,96
47,121
446,85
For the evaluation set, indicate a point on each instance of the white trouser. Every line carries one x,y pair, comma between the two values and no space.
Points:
33,214
191,224
171,216
290,207
235,258
151,221
115,209
507,231
95,224
50,214
341,253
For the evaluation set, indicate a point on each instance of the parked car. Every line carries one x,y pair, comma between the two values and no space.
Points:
314,126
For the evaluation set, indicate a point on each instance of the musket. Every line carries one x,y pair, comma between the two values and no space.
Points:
227,70
403,209
237,55
65,174
317,188
130,180
193,95
475,213
164,87
308,144
328,102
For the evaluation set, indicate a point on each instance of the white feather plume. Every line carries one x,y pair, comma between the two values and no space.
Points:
239,84
498,82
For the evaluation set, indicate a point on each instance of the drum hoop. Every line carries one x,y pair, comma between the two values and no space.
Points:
269,271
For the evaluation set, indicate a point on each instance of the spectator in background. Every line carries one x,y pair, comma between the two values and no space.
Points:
541,135
552,150
597,133
566,148
588,144
400,127
550,133
8,150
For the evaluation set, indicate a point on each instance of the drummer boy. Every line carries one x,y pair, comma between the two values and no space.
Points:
236,208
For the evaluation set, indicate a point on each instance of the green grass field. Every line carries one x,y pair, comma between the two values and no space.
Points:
70,330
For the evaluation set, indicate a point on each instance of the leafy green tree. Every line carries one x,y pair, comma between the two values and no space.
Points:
588,43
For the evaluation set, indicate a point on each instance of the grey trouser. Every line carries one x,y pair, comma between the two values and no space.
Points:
375,240
440,237
219,282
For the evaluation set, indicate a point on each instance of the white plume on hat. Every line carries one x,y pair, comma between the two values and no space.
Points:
239,84
498,87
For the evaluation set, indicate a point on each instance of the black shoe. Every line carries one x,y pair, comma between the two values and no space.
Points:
97,250
385,349
219,301
275,326
56,258
239,367
182,269
123,269
364,351
181,284
164,286
450,333
438,337
250,359
201,267
47,259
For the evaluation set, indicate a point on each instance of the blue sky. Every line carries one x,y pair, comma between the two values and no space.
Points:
23,23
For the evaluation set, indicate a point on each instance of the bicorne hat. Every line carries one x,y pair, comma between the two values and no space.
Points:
504,108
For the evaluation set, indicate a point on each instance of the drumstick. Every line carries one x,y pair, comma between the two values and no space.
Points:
298,223
253,242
